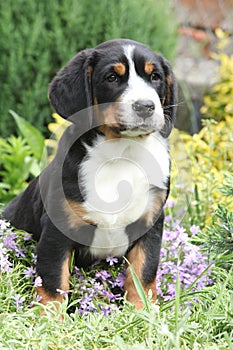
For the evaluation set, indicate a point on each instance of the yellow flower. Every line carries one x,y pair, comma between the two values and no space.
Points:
57,129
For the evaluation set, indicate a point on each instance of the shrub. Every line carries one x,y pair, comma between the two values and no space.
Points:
218,103
37,38
209,157
218,237
22,158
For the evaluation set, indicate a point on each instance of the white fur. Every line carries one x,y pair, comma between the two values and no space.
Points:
139,89
116,176
108,242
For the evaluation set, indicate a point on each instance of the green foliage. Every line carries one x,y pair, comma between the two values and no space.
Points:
38,37
217,238
15,163
21,158
32,136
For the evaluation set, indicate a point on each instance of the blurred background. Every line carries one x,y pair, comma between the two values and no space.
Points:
38,38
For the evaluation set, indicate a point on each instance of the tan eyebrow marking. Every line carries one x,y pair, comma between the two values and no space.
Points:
119,68
149,67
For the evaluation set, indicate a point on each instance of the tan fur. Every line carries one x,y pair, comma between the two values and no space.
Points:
136,258
149,67
119,68
76,214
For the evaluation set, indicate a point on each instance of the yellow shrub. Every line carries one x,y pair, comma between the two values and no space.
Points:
220,100
210,153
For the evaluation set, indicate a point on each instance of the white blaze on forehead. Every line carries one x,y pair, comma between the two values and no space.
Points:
138,89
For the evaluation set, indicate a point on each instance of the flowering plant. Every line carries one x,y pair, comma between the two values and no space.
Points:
180,257
100,288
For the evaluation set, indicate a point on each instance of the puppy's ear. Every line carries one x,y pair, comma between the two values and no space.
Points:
70,90
170,99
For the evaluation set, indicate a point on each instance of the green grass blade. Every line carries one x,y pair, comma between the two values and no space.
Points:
139,287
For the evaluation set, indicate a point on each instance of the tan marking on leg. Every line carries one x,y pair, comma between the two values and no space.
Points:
46,297
119,68
76,213
136,258
149,67
153,212
65,274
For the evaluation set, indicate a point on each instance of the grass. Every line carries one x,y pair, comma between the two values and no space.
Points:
176,328
181,323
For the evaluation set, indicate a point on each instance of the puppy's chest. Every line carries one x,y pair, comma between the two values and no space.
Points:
117,178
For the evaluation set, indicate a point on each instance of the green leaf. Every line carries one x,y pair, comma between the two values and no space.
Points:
139,287
33,136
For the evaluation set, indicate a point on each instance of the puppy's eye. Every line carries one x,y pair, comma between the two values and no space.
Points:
154,77
112,77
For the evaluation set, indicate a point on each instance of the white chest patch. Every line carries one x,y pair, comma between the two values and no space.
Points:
116,177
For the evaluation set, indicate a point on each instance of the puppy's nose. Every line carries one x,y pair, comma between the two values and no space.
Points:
144,108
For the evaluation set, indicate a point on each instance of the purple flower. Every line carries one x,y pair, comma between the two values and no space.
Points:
103,275
98,287
112,260
29,272
118,281
170,203
4,225
27,238
178,255
107,310
38,282
194,229
19,301
5,264
34,258
9,242
181,231
62,292
168,218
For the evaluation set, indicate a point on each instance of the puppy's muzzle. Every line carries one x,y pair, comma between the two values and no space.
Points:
144,108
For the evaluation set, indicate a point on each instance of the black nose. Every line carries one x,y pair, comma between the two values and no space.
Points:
144,108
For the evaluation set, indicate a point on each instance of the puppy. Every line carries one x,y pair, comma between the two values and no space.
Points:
104,192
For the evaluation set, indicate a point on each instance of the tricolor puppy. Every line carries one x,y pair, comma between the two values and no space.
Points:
104,192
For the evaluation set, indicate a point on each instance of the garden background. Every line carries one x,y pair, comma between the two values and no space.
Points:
195,278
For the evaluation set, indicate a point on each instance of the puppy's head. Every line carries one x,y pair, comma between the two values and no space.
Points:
132,88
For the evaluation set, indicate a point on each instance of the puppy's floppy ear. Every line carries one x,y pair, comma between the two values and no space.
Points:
170,99
70,90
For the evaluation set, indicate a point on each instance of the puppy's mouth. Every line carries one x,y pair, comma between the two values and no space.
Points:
138,129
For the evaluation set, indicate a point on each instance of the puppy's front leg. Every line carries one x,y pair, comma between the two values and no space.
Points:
53,265
144,258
